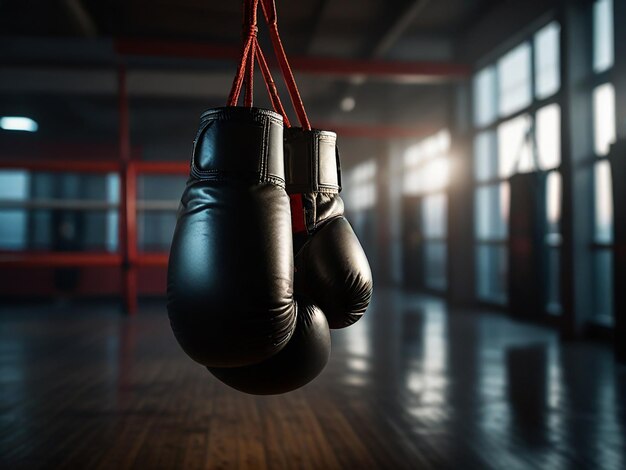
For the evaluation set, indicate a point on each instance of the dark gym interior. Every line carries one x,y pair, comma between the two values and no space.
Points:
483,169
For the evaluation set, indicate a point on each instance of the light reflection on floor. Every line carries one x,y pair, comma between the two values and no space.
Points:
446,388
482,380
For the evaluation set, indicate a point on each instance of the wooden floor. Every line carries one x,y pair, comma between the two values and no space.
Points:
412,386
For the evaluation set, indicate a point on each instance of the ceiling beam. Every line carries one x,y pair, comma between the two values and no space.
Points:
315,23
82,21
345,68
398,28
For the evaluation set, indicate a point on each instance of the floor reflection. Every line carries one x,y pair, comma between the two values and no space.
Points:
487,390
413,385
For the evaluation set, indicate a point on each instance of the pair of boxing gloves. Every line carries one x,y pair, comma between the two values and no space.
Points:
249,298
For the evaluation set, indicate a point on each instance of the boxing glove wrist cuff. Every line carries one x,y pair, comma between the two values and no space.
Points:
311,161
236,142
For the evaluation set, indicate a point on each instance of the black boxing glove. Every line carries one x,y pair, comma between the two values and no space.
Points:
230,275
300,361
331,266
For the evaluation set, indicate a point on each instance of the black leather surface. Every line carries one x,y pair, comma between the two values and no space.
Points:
230,276
300,361
311,161
332,269
331,266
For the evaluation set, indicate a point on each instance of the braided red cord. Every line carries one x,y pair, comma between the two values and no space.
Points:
251,51
249,95
246,66
271,86
269,10
235,90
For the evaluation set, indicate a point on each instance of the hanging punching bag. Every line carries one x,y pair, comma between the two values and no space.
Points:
527,250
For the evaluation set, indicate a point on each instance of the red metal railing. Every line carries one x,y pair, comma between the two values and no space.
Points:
129,258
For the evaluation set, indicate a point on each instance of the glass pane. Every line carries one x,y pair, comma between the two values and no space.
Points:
603,203
14,186
362,193
426,164
160,187
547,76
13,229
514,146
602,35
603,286
491,273
554,284
412,181
155,230
435,174
485,96
553,205
40,225
514,80
94,230
435,265
548,135
434,216
113,196
485,156
603,118
158,196
491,212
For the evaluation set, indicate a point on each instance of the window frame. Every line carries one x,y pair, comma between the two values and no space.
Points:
531,110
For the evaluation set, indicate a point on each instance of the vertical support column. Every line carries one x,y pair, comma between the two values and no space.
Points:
383,235
619,78
461,261
577,146
128,209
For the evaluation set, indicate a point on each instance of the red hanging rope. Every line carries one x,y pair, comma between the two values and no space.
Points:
271,86
252,51
246,66
271,17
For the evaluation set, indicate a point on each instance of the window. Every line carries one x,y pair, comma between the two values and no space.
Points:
486,155
491,284
547,77
112,220
548,136
603,235
14,188
604,130
491,231
492,203
603,232
158,197
603,118
363,186
553,241
513,134
426,167
514,91
485,110
514,146
603,54
553,203
434,213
